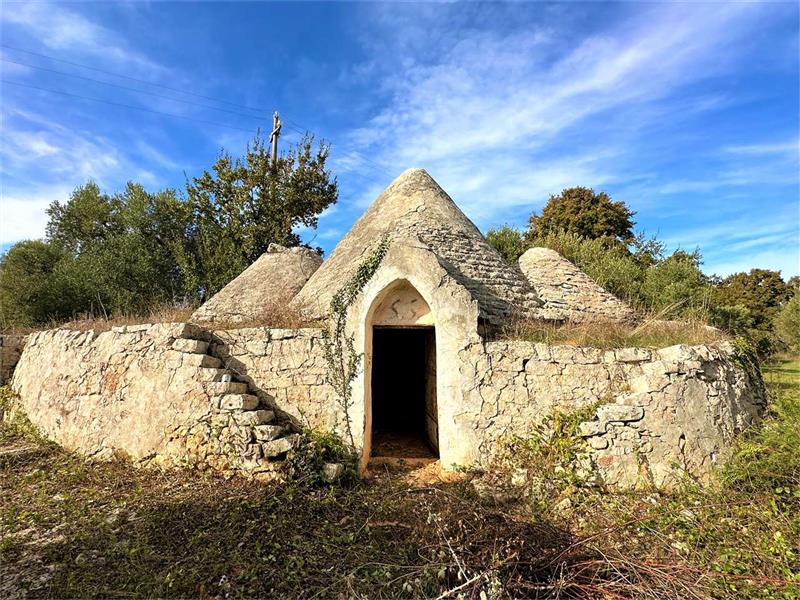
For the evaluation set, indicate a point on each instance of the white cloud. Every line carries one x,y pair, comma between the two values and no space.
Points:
790,147
59,28
489,115
23,217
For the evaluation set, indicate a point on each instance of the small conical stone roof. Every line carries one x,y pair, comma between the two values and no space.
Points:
568,293
265,286
412,208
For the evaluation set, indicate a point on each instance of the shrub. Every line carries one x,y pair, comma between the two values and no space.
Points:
787,324
307,461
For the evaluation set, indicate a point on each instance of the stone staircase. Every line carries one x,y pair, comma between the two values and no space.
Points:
243,434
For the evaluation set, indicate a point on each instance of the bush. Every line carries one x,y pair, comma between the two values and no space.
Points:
787,325
307,461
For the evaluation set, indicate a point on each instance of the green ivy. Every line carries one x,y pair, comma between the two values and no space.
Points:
342,360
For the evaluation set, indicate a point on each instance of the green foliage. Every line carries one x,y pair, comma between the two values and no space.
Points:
341,358
768,457
15,423
675,281
306,462
761,291
247,203
36,284
508,241
106,255
787,324
128,253
584,212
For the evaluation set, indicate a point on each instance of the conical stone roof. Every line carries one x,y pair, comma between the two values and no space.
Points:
568,293
412,208
262,288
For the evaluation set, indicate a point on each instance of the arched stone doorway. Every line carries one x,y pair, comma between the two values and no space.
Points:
401,410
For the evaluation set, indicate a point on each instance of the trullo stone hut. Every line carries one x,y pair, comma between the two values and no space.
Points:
434,381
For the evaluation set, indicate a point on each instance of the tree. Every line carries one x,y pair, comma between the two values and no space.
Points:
123,247
246,204
508,241
34,287
787,324
761,291
676,283
581,211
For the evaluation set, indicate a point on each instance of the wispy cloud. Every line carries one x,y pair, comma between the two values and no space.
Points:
791,147
59,28
497,100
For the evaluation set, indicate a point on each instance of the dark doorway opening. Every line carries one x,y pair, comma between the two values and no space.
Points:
404,412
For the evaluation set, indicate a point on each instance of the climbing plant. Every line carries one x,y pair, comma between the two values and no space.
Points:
342,360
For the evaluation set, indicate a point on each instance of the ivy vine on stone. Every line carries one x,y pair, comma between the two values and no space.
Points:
343,362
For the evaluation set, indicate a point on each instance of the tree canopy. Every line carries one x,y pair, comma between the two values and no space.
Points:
128,252
245,204
584,212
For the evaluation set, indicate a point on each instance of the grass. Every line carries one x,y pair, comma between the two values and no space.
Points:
70,528
277,316
650,334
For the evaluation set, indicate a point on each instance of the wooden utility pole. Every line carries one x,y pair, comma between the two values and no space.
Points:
276,131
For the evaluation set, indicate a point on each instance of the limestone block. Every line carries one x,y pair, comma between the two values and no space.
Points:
592,428
267,433
190,346
619,412
632,355
254,417
332,471
202,360
280,446
219,388
238,402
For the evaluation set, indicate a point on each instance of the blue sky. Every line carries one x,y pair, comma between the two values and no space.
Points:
688,112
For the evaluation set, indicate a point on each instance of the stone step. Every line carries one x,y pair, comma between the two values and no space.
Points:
281,446
254,417
238,402
190,346
220,388
267,433
202,360
211,375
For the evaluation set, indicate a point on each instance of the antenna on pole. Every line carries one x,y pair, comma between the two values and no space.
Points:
273,137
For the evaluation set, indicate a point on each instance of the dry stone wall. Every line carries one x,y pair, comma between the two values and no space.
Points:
286,368
234,400
660,414
150,392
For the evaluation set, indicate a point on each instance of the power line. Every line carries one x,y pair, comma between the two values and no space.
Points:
292,125
82,66
157,112
125,87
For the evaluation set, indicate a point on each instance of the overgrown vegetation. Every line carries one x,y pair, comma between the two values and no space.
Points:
129,253
650,334
76,529
597,235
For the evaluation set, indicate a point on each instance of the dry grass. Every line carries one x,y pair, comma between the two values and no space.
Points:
650,334
100,323
162,314
278,315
